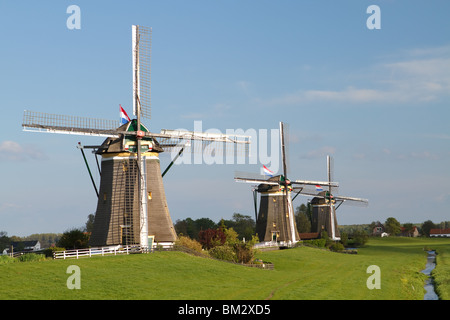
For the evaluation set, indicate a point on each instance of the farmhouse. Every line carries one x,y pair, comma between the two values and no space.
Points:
414,232
440,233
33,245
378,229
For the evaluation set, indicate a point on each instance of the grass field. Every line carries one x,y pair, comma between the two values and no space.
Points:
301,273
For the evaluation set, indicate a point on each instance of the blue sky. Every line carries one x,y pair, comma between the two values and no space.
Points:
376,100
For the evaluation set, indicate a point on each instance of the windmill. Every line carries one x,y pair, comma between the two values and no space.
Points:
326,203
275,221
132,207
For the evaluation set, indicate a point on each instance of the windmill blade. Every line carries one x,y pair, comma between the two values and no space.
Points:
255,181
346,200
316,183
352,200
65,124
197,142
141,46
255,178
330,174
283,149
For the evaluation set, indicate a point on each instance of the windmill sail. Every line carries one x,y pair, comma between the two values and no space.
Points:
132,207
141,46
325,204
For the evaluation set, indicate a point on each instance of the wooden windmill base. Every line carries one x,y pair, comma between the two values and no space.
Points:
273,222
322,221
117,219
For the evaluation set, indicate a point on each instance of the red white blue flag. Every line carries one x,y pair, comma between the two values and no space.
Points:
319,188
267,172
124,118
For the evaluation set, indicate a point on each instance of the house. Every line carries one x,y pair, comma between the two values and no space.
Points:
414,232
33,245
440,233
378,230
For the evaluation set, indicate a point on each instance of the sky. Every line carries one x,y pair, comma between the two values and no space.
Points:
375,99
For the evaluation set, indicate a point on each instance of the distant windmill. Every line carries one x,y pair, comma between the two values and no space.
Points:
276,221
132,207
324,206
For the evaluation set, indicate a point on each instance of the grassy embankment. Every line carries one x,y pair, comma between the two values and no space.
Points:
301,273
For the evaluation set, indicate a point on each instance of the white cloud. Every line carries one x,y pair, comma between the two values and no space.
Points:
13,151
418,77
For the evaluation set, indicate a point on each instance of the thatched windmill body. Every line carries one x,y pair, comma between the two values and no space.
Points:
132,207
275,221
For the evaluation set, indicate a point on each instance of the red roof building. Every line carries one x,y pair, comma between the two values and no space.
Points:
440,232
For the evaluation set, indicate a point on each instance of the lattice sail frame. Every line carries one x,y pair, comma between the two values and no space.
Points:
66,124
142,50
170,140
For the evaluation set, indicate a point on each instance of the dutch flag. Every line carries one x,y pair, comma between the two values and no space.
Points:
124,118
267,172
319,188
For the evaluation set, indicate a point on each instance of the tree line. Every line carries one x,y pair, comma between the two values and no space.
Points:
243,226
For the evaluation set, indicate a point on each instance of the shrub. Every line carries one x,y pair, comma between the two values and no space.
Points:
244,253
31,257
189,243
223,253
210,238
74,239
337,246
4,259
316,242
49,251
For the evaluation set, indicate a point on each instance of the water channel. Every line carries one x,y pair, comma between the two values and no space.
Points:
429,286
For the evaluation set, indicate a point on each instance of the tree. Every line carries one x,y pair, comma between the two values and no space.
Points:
5,241
427,226
90,223
302,219
392,226
210,238
73,239
360,238
242,224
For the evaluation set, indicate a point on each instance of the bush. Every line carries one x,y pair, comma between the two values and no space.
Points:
223,253
4,259
360,238
210,238
189,243
49,251
31,257
316,242
74,239
337,246
244,253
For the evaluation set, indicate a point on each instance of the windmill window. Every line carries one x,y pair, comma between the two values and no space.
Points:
149,195
105,197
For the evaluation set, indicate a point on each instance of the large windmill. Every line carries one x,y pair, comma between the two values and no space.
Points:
132,207
326,203
275,220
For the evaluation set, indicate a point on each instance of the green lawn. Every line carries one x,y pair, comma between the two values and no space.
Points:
301,273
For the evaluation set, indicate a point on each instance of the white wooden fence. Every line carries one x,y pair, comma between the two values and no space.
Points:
103,251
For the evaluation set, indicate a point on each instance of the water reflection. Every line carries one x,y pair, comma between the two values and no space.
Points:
429,286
